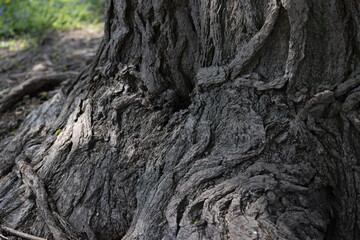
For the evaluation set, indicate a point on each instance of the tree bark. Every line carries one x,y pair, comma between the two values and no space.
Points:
199,120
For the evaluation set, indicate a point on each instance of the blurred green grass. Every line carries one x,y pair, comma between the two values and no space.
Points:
36,18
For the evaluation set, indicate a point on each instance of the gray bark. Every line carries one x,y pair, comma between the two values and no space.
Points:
199,120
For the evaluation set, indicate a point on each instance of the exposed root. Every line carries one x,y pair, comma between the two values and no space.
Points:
19,234
35,184
298,16
211,76
312,112
249,51
322,98
349,109
4,92
3,237
27,75
33,85
352,82
253,80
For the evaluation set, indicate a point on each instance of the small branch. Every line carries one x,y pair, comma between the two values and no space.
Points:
19,234
33,85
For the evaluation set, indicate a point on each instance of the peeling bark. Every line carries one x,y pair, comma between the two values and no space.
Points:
199,120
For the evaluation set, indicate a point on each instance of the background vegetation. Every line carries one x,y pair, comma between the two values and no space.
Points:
36,18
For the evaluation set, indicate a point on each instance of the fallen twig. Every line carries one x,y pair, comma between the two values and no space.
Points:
31,74
4,92
19,234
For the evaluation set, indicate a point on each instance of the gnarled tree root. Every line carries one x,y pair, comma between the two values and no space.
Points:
19,234
33,85
37,187
249,51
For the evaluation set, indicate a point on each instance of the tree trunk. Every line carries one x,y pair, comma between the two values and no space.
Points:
199,120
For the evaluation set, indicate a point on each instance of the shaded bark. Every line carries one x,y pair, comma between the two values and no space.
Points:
199,120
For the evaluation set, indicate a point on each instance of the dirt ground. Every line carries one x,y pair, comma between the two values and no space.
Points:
59,53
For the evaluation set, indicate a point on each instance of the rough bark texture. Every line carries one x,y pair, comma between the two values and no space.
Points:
199,120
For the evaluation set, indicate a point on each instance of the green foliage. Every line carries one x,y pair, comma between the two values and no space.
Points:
45,96
196,222
17,44
36,17
57,132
